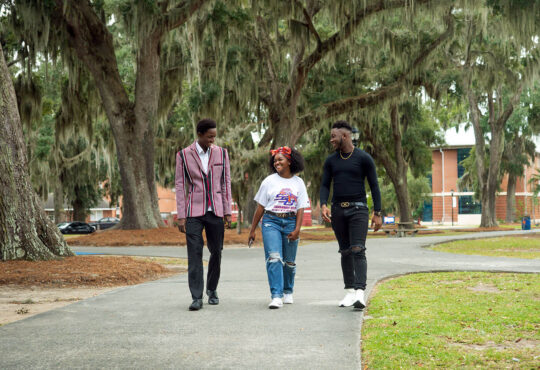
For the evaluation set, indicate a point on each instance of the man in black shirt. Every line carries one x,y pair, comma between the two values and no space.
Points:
349,168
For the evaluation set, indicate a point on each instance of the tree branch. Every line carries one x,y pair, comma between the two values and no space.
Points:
13,62
510,107
178,15
346,31
376,96
309,23
265,47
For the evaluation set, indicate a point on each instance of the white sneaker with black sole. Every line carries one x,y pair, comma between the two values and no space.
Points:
359,301
349,299
276,303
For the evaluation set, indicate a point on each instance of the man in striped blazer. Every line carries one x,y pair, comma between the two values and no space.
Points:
203,200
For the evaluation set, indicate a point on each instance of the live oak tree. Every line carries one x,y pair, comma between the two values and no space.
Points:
495,66
26,232
520,149
79,31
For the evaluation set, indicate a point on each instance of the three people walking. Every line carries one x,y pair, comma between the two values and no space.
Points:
203,195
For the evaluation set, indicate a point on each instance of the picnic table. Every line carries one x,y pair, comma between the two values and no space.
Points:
404,229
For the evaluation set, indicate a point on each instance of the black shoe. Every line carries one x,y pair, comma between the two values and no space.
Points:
196,305
212,297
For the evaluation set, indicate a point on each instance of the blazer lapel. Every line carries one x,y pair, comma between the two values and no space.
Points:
213,156
195,155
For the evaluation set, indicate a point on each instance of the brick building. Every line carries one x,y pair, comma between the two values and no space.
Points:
463,209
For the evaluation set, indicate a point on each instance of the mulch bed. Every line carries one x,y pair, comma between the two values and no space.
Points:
172,237
88,271
162,236
169,236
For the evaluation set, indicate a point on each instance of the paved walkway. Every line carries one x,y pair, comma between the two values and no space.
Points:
149,326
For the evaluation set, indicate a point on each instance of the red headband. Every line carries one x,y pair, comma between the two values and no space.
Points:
285,150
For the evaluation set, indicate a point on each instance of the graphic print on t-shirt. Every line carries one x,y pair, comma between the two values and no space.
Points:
285,201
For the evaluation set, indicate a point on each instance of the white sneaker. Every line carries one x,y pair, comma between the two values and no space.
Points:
359,301
287,298
349,299
276,303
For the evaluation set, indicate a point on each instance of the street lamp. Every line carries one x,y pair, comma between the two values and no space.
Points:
452,194
355,136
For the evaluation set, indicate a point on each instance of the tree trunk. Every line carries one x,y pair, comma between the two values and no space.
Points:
495,155
511,199
26,232
399,180
59,213
285,126
402,194
79,211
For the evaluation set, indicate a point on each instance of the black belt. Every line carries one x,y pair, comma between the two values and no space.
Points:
351,204
282,215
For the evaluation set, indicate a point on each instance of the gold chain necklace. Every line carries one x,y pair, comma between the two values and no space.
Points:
349,156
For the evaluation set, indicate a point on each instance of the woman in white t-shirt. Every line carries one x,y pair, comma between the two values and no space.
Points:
281,200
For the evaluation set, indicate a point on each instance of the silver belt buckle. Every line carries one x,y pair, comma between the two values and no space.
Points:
344,204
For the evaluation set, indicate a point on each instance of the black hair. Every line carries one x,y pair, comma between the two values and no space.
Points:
205,124
297,162
342,124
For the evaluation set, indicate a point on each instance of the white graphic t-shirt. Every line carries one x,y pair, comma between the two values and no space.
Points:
282,195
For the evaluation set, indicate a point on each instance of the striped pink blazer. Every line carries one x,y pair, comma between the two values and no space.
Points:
191,185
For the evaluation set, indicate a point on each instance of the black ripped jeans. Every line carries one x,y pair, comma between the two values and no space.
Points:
350,227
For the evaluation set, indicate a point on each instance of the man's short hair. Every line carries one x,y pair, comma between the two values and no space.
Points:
205,124
342,124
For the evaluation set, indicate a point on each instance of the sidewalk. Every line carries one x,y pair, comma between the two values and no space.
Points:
149,326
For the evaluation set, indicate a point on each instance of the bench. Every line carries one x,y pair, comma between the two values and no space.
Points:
404,229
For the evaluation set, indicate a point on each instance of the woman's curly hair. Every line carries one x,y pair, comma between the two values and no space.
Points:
297,162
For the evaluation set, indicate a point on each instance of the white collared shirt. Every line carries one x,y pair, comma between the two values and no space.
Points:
204,156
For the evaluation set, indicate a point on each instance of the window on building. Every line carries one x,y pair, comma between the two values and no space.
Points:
467,205
462,154
427,214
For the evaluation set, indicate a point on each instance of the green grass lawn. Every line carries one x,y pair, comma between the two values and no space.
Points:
508,246
454,320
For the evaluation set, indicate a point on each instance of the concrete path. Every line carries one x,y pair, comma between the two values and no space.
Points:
149,326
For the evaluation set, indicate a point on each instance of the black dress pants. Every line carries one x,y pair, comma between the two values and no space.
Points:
350,226
215,230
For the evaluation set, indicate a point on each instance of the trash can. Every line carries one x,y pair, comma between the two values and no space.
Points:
526,223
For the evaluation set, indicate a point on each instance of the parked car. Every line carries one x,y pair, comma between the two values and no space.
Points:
75,227
105,223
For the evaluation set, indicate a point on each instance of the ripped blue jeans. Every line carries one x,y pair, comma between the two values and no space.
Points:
280,253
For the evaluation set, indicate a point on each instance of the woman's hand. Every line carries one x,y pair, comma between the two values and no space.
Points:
294,235
251,237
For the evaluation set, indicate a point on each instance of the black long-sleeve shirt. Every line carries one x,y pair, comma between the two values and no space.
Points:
349,178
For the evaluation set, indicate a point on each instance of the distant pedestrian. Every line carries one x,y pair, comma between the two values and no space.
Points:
348,168
203,199
282,198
